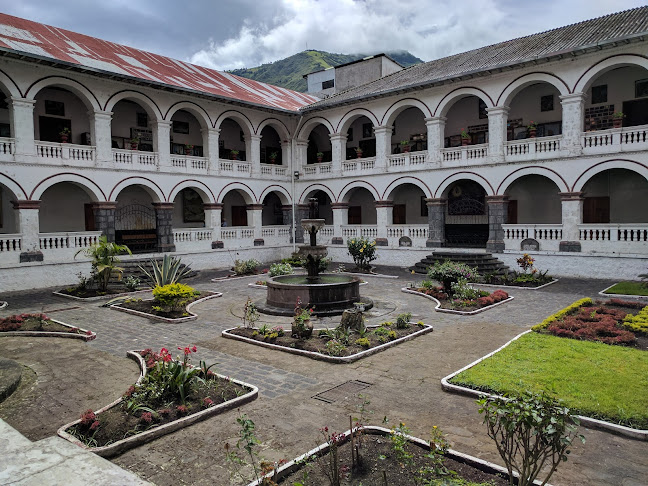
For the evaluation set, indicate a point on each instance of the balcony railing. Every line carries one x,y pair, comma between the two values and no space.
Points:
65,151
7,147
355,165
234,166
136,159
615,139
410,159
193,238
547,235
273,170
72,240
187,163
359,230
317,169
614,238
10,242
237,233
466,154
530,148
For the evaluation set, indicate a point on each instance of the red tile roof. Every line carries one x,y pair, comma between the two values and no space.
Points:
35,39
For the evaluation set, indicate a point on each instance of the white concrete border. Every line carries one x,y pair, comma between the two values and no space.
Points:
100,297
438,307
331,359
639,434
477,284
192,317
233,276
68,335
3,304
620,296
148,435
322,449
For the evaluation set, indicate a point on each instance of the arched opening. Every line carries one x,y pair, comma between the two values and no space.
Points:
466,115
61,116
319,145
135,220
409,205
231,141
188,211
615,196
535,112
466,221
409,133
362,209
5,114
65,206
272,213
270,146
234,209
8,217
361,140
323,205
131,127
187,137
623,90
533,199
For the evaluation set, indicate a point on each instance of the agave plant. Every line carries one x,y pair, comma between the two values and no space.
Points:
165,272
104,260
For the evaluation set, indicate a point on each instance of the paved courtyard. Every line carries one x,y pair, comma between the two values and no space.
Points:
66,377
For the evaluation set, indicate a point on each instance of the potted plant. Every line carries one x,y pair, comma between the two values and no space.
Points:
65,135
320,156
405,146
188,149
465,137
617,119
532,127
134,142
234,154
358,152
273,157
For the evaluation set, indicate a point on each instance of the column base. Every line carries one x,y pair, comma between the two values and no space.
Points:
31,256
495,246
259,242
217,244
337,240
570,246
434,243
381,242
166,248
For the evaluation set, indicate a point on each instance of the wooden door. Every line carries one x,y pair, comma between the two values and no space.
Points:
355,215
89,217
399,214
239,216
596,210
512,212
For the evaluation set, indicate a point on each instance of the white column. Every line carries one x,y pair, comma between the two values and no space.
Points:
572,122
213,216
253,156
254,212
338,148
286,153
162,141
210,150
384,218
22,125
299,157
101,134
383,145
340,218
572,215
29,227
435,134
497,121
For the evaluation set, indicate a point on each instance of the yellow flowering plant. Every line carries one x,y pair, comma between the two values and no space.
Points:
363,252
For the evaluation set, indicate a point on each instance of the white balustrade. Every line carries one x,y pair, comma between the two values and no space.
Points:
238,233
193,238
417,233
407,159
64,246
10,242
136,159
615,140
319,168
451,154
65,151
528,149
242,167
49,150
7,146
190,164
360,230
547,235
273,170
275,234
614,238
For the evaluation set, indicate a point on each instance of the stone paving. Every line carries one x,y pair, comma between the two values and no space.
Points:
405,379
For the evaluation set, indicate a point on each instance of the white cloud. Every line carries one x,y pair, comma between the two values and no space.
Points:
428,29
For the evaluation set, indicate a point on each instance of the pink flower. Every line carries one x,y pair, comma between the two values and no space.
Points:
88,333
87,417
95,425
194,349
182,410
146,417
208,402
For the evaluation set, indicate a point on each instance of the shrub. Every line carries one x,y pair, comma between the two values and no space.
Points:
562,313
402,320
245,267
335,347
280,269
461,290
364,342
529,431
131,283
104,260
637,323
362,251
164,272
604,329
174,296
450,272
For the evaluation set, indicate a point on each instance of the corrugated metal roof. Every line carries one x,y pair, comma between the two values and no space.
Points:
562,40
35,39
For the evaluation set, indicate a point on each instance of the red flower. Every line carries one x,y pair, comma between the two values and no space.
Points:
95,425
146,418
87,417
208,402
88,333
194,349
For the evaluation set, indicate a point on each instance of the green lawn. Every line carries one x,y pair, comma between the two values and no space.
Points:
594,379
628,288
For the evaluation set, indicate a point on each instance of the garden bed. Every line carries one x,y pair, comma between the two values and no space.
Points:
144,308
626,290
467,308
316,347
39,325
118,431
94,294
379,456
235,276
517,285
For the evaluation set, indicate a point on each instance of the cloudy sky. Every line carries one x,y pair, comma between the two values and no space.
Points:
227,34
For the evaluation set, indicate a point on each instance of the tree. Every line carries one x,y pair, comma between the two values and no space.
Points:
104,260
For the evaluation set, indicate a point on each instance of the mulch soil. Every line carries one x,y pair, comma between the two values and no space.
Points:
447,303
496,280
147,307
378,456
85,294
317,344
35,324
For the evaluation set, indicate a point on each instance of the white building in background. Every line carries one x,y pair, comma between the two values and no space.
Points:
166,156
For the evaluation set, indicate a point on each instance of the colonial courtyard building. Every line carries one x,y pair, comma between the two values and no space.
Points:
518,146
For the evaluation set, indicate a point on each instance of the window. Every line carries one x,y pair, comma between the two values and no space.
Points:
482,110
367,130
547,103
641,88
328,84
599,94
56,108
142,120
180,127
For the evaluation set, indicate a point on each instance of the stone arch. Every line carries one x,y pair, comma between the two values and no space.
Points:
587,78
631,165
278,125
243,189
13,186
506,97
85,95
243,121
308,190
346,190
156,193
196,110
85,183
349,117
532,170
147,103
406,180
397,108
534,198
282,193
473,176
311,123
200,187
451,98
8,85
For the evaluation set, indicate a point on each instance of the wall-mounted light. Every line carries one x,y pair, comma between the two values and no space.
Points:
296,175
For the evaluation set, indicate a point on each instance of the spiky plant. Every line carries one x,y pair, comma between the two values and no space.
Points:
164,272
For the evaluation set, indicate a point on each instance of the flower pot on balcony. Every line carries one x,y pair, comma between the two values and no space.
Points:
465,141
134,145
64,138
617,122
405,148
319,159
359,154
234,155
532,132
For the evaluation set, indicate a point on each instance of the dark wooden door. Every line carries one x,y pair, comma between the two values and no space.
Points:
239,216
355,215
636,113
400,214
512,212
89,217
596,210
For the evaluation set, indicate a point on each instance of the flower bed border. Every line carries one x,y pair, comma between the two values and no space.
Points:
617,296
3,304
256,286
324,357
69,335
149,435
479,284
640,434
233,276
100,297
370,274
438,307
322,449
178,320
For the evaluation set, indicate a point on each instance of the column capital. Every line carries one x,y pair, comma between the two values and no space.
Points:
212,206
435,120
210,130
339,205
159,206
285,144
26,204
301,142
435,201
382,129
160,124
16,101
254,207
342,137
572,98
104,205
499,198
571,196
101,114
384,204
254,137
498,110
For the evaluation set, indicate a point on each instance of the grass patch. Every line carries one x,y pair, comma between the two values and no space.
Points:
628,288
593,379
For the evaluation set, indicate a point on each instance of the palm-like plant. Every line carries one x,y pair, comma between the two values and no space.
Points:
166,272
104,260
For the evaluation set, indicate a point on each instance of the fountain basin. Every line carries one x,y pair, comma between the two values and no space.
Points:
329,294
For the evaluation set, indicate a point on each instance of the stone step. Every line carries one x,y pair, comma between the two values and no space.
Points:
483,262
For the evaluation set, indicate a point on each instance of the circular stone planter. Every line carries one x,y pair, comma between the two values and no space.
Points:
438,307
191,317
151,434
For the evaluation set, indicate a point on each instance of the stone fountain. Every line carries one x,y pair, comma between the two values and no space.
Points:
329,294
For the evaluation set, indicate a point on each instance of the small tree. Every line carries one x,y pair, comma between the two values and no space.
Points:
530,431
363,252
104,260
449,272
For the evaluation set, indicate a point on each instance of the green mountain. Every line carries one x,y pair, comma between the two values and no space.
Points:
289,72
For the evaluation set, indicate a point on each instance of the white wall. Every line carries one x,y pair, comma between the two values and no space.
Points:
194,137
628,193
409,122
526,105
362,197
410,195
62,208
537,199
